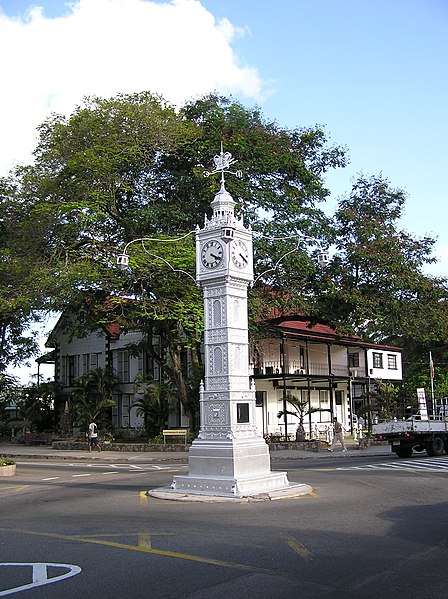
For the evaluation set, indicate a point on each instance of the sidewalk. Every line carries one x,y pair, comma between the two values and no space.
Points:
180,457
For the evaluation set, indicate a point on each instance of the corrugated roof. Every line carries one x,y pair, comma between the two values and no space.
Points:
323,332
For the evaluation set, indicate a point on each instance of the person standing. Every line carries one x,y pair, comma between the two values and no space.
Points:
338,435
93,436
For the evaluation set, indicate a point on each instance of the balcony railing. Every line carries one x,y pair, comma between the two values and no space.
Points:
274,367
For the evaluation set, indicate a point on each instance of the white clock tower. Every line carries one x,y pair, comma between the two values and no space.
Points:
230,456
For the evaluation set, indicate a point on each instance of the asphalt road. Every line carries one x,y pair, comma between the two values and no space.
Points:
374,526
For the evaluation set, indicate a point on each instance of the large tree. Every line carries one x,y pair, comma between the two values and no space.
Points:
19,292
131,166
375,283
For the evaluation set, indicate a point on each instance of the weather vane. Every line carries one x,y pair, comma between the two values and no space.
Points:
222,163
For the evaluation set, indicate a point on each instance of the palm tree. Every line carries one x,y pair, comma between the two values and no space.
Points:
155,406
93,395
301,408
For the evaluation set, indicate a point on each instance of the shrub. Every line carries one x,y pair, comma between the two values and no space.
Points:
4,461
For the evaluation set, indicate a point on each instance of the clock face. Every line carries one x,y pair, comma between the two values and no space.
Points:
240,254
212,254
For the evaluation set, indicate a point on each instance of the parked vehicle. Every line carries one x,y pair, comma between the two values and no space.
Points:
416,433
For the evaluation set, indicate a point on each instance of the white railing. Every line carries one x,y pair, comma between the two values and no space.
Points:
274,367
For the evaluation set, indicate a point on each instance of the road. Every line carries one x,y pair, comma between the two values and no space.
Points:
373,527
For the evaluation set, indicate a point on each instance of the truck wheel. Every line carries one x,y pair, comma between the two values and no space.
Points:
435,447
403,452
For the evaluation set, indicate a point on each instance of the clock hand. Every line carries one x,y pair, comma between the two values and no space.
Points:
243,258
214,256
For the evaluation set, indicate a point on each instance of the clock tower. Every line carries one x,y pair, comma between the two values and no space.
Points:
230,456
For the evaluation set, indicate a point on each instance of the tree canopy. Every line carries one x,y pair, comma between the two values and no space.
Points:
375,284
133,167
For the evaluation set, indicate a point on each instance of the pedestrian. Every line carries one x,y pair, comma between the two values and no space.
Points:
338,435
92,434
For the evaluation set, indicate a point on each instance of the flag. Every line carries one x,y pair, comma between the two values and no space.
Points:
431,366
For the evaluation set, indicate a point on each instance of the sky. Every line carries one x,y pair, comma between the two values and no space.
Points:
373,73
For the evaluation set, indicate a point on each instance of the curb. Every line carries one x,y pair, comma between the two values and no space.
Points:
292,492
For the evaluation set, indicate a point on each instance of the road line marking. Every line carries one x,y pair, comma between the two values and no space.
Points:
113,472
143,497
39,575
173,554
298,548
52,478
121,534
78,475
144,540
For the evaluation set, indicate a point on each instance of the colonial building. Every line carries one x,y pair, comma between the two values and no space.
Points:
108,348
334,374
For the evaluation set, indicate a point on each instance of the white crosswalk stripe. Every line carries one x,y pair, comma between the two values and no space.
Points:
418,464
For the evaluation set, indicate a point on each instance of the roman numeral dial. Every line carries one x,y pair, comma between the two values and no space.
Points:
212,254
240,254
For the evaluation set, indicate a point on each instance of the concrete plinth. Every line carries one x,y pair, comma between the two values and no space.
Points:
292,491
234,468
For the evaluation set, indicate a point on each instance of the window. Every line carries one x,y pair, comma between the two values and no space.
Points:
89,362
72,362
302,356
260,398
242,412
323,397
391,361
123,366
353,360
358,391
377,360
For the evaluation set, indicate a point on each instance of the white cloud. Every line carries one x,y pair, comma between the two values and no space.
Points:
102,47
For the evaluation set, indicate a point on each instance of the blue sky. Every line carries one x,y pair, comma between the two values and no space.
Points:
374,73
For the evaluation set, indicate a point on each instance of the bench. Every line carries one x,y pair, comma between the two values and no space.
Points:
175,432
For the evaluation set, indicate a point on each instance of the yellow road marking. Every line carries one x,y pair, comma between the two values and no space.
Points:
150,550
298,548
16,487
144,540
143,496
122,534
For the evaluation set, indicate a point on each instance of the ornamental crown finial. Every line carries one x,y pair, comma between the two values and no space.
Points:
222,162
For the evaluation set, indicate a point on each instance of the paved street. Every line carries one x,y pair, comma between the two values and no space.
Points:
374,526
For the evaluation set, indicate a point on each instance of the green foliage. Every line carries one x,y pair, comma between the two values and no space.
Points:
155,406
92,397
383,401
35,407
132,166
18,286
300,408
156,440
5,461
374,285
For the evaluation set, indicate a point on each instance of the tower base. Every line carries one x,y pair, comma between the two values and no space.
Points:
232,468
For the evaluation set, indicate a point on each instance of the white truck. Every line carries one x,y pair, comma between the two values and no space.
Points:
414,434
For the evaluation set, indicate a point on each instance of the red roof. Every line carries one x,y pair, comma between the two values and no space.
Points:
323,332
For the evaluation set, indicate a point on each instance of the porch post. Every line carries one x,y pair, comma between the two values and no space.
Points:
283,365
330,380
